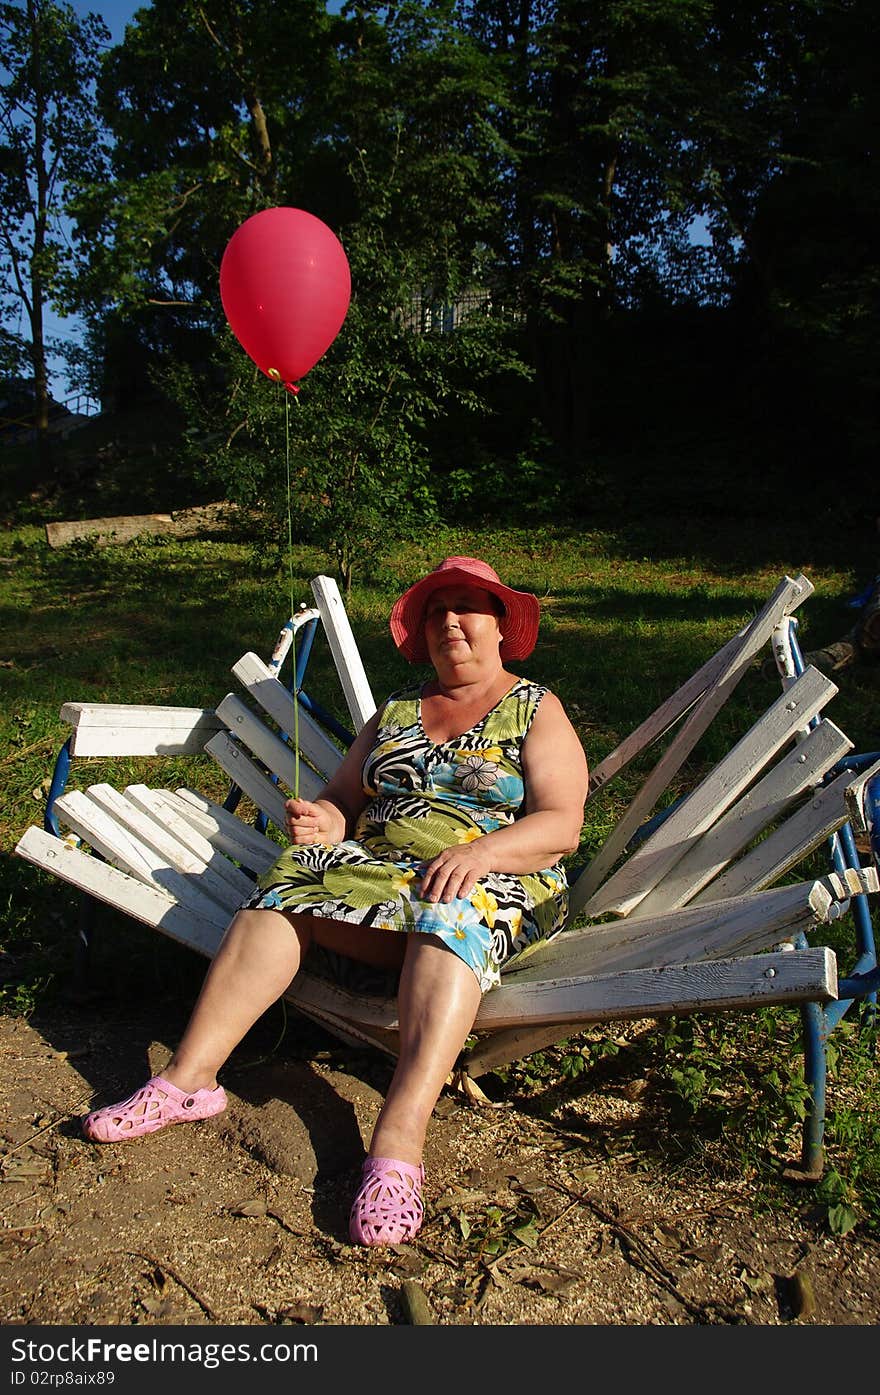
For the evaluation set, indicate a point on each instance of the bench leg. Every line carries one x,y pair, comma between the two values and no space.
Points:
815,1072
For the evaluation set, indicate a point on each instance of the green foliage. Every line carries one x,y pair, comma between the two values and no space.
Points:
489,1231
411,156
838,1198
651,203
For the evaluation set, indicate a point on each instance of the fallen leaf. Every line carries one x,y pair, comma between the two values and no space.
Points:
406,1266
253,1207
527,1234
460,1196
634,1090
300,1311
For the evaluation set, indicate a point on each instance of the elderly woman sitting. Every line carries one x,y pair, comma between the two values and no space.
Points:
434,850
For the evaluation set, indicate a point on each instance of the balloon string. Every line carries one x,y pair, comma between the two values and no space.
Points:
290,590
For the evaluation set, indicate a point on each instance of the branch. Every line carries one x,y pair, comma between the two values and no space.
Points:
249,92
12,252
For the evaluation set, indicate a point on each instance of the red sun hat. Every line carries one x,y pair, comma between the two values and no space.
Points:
522,612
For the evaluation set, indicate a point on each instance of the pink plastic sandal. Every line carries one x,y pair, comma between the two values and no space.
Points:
154,1106
388,1208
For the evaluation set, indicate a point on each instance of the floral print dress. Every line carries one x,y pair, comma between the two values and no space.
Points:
424,797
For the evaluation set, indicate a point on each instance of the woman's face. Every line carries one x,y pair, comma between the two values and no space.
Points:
462,625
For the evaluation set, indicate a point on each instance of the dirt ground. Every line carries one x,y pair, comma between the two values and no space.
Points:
243,1219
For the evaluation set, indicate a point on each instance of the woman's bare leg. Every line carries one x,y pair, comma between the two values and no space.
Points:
437,1003
260,953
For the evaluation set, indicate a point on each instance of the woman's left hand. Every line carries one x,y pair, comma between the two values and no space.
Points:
456,871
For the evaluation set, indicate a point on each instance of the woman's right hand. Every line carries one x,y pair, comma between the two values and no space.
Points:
313,823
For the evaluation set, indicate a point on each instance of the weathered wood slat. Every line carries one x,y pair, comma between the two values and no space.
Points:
506,1045
343,647
791,778
693,816
337,1009
160,806
802,832
138,859
663,718
256,785
277,702
741,924
855,797
853,881
147,820
744,982
200,929
279,758
787,595
502,1046
126,729
224,830
164,813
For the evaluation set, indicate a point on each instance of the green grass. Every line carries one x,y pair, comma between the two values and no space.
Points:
632,602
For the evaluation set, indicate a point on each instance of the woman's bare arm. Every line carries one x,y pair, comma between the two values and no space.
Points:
332,816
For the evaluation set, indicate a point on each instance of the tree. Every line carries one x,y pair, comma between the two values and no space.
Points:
392,147
49,141
213,116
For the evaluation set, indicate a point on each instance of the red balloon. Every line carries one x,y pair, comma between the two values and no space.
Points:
285,285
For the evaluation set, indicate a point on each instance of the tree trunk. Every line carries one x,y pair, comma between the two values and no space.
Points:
38,349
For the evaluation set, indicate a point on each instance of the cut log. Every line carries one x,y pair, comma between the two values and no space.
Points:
110,532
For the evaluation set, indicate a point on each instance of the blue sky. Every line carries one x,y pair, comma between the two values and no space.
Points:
115,13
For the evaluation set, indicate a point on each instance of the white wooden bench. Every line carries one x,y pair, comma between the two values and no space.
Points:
690,918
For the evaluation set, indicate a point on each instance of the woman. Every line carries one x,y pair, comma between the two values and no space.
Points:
434,850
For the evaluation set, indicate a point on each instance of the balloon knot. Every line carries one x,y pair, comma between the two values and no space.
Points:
292,388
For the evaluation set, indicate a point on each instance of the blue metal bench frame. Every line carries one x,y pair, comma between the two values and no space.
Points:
860,985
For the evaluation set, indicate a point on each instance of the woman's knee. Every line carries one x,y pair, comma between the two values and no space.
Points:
255,927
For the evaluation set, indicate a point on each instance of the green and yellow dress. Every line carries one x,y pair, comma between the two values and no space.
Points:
424,797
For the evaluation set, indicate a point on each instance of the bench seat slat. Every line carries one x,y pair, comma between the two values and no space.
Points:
166,816
278,758
801,833
222,829
737,925
218,876
343,647
126,729
201,928
787,595
121,847
728,779
798,772
745,982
